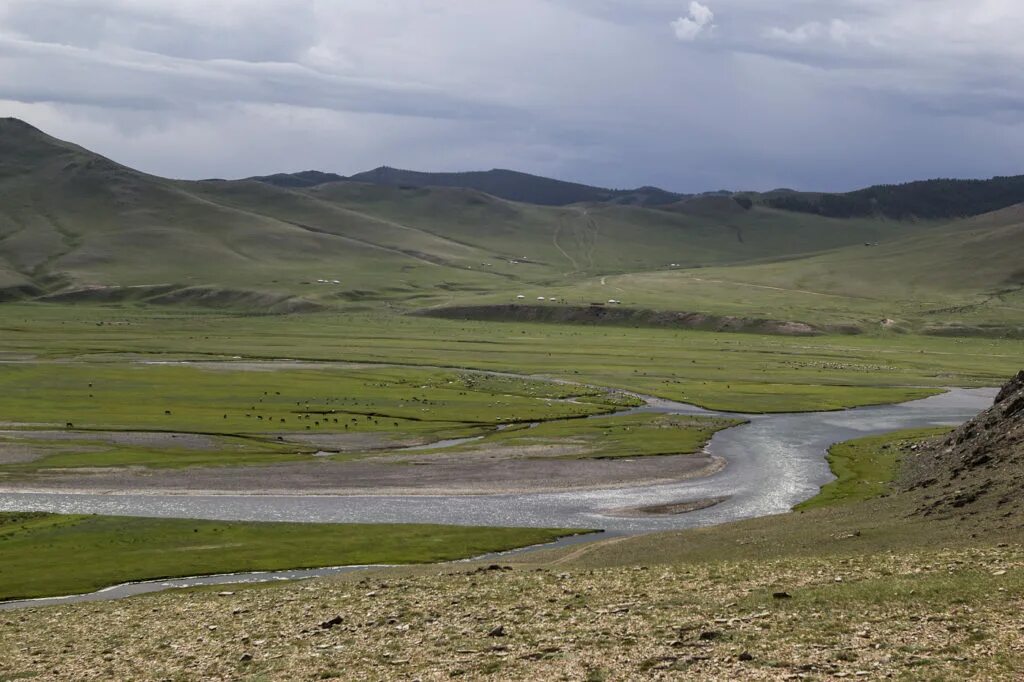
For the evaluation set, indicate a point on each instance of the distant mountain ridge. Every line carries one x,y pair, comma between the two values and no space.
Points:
924,199
938,199
309,178
517,186
501,183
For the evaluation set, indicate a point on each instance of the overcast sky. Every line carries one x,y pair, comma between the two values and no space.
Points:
690,96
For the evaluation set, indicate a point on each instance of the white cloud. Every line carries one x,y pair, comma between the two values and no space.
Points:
798,35
700,20
837,31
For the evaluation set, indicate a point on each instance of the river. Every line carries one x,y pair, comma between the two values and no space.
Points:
772,463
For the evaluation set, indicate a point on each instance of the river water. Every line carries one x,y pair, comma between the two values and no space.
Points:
772,463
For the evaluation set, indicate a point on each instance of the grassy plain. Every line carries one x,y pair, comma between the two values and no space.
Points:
241,401
401,380
251,416
810,290
46,554
735,372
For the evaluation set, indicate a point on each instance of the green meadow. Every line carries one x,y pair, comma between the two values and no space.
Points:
256,385
46,554
865,468
198,399
733,372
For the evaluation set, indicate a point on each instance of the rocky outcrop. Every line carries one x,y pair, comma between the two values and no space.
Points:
979,467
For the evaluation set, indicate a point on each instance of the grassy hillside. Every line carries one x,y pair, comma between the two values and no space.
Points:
75,226
602,238
963,277
981,254
71,220
80,226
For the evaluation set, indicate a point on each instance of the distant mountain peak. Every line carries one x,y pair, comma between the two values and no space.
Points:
503,183
23,147
15,128
518,186
9,122
307,178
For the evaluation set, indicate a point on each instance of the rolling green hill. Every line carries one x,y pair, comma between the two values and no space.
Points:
77,226
71,220
964,277
984,254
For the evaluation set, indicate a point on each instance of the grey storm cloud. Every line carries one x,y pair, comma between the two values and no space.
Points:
690,95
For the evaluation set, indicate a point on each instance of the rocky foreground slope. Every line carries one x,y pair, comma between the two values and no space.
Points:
978,470
923,615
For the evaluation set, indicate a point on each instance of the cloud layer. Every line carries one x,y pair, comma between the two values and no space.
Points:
692,96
